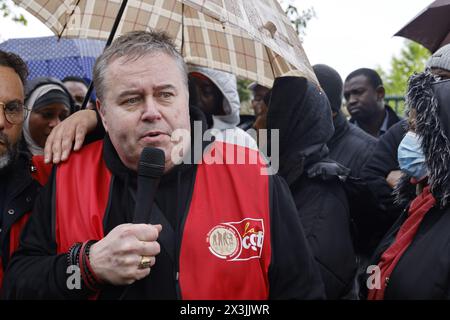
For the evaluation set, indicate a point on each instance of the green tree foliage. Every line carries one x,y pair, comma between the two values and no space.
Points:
7,12
412,58
300,20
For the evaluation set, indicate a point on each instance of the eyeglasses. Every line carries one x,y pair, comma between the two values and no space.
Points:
15,111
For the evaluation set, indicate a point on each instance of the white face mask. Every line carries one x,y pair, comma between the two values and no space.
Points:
411,157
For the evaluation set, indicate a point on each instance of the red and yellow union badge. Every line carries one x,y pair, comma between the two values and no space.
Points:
237,241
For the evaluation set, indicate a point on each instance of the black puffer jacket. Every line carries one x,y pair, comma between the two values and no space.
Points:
302,114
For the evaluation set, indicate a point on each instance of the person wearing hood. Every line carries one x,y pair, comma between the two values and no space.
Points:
215,93
412,261
349,145
301,113
354,148
49,103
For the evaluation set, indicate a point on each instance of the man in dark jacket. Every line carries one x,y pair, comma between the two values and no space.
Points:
17,189
201,242
301,113
364,93
350,146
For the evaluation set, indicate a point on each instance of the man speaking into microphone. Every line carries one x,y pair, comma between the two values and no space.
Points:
205,230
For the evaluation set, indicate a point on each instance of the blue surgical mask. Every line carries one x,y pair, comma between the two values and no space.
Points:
411,157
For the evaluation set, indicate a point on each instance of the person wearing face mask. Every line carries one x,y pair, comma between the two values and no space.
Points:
411,157
413,261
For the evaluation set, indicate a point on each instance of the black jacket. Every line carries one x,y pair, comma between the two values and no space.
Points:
36,272
382,211
19,193
393,118
302,114
350,146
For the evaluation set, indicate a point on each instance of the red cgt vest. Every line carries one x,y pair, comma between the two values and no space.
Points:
225,250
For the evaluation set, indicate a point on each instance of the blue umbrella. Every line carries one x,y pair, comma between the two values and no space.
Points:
48,56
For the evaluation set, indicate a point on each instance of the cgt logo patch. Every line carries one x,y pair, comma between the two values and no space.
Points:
237,241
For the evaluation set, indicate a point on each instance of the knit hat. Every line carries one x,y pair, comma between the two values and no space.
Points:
440,59
331,83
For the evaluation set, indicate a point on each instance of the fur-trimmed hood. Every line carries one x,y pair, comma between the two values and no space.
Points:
430,99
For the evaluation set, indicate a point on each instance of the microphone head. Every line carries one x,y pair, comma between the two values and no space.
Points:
152,162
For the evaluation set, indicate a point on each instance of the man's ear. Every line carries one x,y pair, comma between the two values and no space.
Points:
101,112
380,92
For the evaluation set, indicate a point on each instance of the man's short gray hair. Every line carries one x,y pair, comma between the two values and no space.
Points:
135,45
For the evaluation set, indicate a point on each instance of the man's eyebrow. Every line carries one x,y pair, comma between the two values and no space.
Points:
11,101
165,87
128,93
355,89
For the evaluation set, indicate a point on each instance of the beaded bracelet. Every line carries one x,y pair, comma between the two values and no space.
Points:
88,262
90,279
84,276
72,254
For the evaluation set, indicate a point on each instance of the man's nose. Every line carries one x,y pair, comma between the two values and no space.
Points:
151,110
352,100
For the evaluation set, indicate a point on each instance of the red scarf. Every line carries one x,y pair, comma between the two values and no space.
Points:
389,259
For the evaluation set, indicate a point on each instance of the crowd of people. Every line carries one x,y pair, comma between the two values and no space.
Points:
351,212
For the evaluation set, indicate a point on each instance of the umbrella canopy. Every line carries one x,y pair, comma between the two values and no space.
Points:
252,39
431,27
50,57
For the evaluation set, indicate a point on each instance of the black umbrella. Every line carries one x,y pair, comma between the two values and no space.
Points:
431,27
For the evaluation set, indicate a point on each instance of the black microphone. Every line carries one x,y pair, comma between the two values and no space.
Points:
150,170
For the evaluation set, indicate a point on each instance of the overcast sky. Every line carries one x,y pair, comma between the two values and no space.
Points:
346,34
349,34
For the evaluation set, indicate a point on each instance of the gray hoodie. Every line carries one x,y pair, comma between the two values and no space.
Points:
227,124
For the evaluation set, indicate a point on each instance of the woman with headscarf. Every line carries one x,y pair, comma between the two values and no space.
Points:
413,259
50,103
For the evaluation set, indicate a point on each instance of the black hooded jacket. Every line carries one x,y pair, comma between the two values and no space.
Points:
350,146
423,271
301,113
37,272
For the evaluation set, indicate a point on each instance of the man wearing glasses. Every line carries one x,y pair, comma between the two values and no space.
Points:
17,188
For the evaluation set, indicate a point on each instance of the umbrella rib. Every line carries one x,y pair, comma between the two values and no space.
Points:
270,62
182,27
71,14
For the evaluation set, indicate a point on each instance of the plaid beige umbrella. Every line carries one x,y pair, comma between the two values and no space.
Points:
250,38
